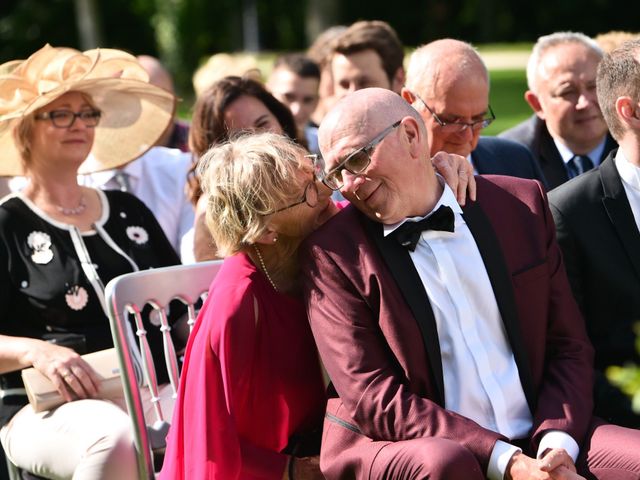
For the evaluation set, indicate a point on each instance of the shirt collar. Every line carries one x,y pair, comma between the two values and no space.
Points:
629,173
595,155
447,198
133,169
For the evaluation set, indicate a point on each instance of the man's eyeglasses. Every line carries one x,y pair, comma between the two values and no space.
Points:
355,163
66,118
310,197
458,127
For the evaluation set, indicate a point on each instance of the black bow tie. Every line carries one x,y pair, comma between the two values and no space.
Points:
409,233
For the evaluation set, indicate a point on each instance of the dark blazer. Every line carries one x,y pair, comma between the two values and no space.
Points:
499,156
377,336
533,134
600,243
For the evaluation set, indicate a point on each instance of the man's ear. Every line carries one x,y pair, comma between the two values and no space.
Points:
408,95
398,80
627,111
412,135
534,102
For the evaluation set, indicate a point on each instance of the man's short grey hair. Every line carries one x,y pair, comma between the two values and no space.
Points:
546,42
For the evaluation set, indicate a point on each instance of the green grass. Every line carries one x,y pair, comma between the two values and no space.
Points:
507,99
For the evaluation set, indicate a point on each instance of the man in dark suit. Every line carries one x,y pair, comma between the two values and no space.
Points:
457,353
448,84
597,222
567,133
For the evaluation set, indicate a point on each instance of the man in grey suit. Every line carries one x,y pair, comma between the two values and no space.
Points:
448,83
567,133
597,217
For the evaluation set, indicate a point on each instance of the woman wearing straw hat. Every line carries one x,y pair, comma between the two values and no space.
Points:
64,112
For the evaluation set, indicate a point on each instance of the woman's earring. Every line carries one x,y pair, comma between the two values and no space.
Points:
275,239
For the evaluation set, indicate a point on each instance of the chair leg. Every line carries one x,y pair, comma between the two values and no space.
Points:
14,472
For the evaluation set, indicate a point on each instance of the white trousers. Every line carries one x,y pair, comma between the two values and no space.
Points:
80,440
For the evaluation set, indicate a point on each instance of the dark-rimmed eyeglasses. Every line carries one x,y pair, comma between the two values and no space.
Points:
66,118
355,163
310,197
458,127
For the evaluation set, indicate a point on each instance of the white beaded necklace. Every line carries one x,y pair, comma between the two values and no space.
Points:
264,268
77,210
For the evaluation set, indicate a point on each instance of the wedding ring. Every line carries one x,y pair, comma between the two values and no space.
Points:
66,373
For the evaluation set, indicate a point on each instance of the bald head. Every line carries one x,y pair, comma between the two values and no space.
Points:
449,79
364,113
158,75
440,64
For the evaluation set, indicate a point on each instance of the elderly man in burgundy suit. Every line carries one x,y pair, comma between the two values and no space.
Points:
454,345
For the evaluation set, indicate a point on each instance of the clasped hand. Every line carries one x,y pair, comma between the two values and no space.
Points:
556,464
70,374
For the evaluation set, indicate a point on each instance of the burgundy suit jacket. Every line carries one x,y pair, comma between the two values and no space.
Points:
377,336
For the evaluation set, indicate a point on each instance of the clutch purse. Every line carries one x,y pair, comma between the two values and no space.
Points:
43,395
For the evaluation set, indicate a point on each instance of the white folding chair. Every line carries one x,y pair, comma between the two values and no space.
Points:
128,294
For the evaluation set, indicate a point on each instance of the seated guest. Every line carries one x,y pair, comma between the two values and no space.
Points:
567,134
229,106
63,111
294,81
262,200
450,335
448,84
597,219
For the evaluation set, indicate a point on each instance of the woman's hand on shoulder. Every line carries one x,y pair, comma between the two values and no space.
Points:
457,171
71,375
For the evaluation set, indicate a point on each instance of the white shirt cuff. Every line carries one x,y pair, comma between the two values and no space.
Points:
500,456
559,439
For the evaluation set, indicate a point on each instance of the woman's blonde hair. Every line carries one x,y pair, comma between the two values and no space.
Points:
244,180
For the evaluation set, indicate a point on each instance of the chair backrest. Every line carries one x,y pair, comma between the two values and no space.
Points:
128,294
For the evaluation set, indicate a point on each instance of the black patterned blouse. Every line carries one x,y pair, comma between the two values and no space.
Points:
45,290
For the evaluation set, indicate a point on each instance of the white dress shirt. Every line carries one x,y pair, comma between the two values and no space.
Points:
630,176
481,378
158,178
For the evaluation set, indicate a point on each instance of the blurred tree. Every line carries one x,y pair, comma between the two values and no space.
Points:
89,28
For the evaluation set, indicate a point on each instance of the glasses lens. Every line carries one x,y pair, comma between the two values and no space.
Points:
61,118
90,118
357,161
333,180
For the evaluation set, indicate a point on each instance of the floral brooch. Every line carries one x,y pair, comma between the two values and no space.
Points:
76,298
138,235
40,243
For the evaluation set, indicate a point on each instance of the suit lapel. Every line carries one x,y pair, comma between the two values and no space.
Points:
619,211
408,280
500,278
551,162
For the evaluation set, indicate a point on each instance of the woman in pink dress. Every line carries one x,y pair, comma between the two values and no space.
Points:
262,200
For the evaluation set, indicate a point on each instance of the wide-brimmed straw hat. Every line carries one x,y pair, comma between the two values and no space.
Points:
134,113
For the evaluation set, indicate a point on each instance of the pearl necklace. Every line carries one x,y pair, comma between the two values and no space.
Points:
78,210
264,268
